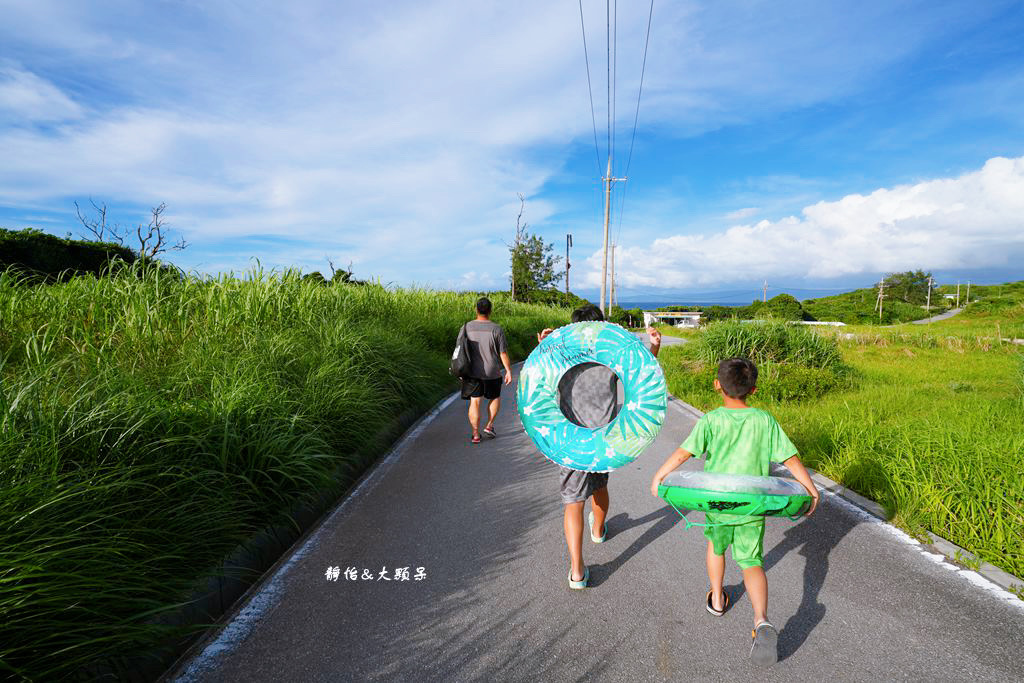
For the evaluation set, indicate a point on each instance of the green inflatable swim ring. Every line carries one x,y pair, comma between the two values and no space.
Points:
637,423
734,498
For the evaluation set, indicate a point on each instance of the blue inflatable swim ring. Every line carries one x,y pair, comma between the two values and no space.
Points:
637,423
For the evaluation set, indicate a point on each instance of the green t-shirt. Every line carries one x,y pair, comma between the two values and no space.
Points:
743,441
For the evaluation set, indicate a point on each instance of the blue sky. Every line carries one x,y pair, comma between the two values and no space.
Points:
814,145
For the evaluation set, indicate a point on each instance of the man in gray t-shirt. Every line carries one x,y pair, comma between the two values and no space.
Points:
588,395
489,364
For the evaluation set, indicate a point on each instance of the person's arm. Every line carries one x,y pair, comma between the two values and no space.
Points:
655,338
508,367
543,333
799,472
678,457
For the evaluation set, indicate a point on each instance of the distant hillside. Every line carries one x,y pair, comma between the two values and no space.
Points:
988,299
859,307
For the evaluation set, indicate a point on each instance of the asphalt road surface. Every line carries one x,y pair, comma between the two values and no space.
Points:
852,598
666,340
941,316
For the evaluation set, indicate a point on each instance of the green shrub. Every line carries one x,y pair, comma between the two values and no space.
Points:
41,256
777,382
768,342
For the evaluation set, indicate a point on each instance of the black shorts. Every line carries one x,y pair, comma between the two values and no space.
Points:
474,386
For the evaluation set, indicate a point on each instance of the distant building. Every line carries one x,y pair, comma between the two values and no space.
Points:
674,318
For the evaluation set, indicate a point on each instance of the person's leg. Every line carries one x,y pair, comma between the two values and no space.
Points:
574,538
492,411
716,575
757,588
474,414
747,551
599,506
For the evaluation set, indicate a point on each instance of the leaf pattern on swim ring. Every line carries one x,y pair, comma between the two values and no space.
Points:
638,421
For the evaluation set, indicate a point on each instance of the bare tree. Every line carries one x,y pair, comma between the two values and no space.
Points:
515,247
101,232
155,240
152,237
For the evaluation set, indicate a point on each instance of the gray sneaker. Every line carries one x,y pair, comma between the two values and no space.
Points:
764,651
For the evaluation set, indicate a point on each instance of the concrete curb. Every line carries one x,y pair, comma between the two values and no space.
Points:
953,553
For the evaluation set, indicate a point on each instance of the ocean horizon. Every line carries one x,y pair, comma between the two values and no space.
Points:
652,305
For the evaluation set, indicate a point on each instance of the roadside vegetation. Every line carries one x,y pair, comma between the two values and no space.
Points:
924,419
150,422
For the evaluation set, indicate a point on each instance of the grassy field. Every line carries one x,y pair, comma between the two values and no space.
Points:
926,420
150,423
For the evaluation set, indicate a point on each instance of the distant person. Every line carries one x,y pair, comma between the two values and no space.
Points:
739,439
588,396
488,352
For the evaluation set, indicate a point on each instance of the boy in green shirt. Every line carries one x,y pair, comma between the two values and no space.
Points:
739,439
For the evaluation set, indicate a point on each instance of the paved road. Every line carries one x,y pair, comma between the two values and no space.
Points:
941,316
852,598
666,339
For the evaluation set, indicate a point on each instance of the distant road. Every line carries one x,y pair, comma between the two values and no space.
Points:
947,314
666,340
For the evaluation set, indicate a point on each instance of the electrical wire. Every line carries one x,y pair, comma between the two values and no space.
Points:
608,41
636,117
590,91
615,70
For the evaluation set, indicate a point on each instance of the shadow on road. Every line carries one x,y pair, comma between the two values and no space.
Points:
815,538
664,518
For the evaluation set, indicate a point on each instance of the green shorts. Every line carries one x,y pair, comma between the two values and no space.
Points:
747,540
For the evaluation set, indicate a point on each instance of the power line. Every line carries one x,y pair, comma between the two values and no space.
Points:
643,68
590,91
636,118
608,40
615,65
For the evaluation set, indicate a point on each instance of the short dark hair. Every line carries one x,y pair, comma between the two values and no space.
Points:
587,313
738,377
483,306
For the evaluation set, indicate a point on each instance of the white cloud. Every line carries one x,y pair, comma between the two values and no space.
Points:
25,98
740,214
397,133
973,220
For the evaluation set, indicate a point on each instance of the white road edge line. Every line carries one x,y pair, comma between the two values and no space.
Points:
266,598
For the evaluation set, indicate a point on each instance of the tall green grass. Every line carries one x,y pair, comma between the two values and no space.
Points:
151,422
793,363
767,342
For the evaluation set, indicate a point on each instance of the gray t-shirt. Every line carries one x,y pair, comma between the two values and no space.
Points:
486,341
588,395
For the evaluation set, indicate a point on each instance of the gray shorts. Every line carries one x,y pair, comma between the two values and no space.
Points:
577,486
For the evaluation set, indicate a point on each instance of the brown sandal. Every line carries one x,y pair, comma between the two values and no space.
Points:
725,604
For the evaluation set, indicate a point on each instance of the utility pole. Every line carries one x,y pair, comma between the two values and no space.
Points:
881,295
764,294
608,180
568,243
968,301
958,294
928,305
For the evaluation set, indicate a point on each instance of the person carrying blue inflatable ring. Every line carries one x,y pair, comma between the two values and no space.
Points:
588,396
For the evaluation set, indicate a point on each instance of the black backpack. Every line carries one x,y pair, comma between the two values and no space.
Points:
460,364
